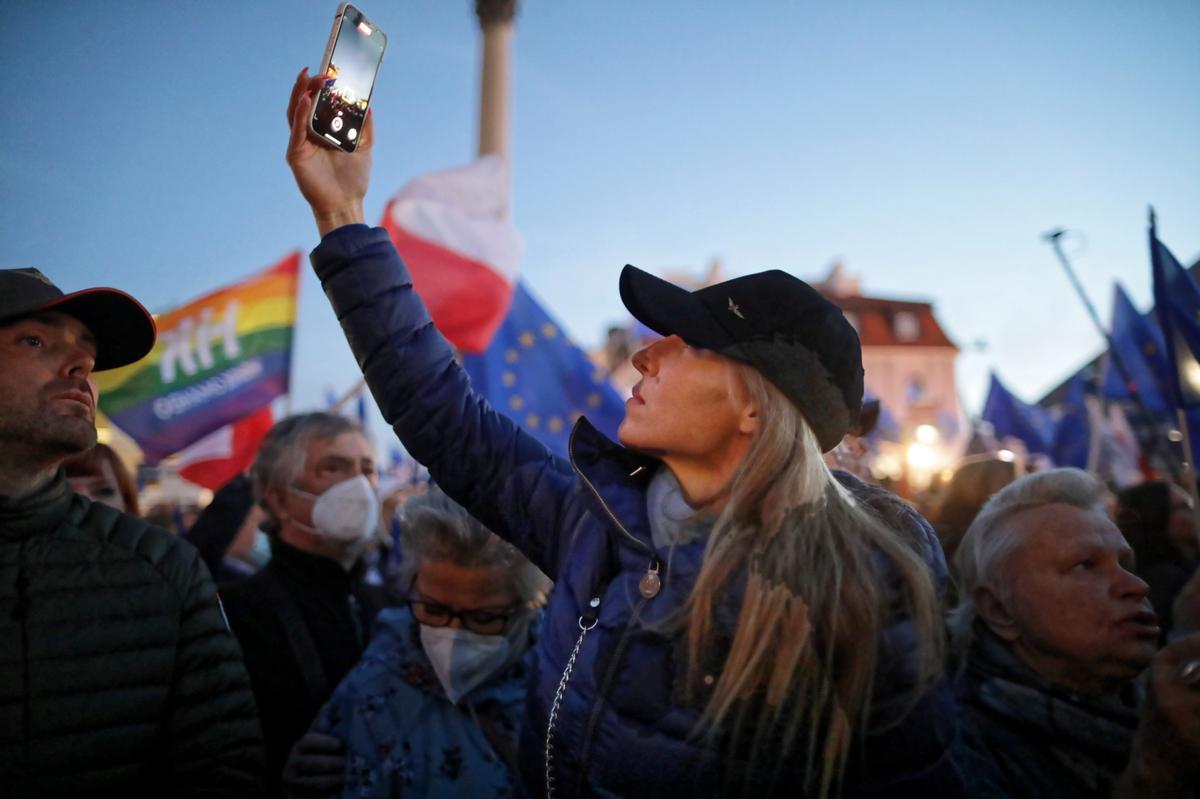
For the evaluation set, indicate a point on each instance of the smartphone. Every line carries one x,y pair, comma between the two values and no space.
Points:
349,67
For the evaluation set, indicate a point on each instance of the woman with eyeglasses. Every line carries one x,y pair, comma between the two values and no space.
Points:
432,709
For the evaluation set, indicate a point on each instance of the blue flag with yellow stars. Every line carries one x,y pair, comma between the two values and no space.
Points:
1072,442
537,376
1139,343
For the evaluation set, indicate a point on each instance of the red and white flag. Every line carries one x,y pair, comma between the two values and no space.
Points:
221,455
453,230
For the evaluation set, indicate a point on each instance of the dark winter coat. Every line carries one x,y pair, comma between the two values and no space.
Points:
118,676
1024,737
622,728
303,622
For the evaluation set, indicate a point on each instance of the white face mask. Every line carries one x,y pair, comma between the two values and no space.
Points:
464,660
347,512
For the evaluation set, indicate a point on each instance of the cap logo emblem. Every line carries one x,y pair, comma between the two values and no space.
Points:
734,309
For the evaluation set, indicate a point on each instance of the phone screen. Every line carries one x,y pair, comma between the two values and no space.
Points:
341,106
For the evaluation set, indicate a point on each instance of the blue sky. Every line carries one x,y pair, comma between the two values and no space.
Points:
925,145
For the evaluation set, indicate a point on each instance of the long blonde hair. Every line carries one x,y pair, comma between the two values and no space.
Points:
802,656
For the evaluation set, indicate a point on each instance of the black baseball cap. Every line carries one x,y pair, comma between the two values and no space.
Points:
124,330
775,322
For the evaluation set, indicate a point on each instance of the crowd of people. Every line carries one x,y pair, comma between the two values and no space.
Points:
701,608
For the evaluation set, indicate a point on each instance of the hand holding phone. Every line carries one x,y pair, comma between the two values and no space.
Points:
332,181
348,72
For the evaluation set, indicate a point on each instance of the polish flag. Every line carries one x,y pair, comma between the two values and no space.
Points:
452,229
221,455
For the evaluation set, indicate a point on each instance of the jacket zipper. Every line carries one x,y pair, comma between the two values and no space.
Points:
610,672
594,717
642,545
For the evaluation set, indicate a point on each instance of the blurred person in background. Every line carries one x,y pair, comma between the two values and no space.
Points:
1056,628
304,619
225,532
1159,522
853,453
99,475
727,614
433,708
119,676
973,484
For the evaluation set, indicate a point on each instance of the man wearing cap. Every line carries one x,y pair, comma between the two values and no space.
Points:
728,617
118,675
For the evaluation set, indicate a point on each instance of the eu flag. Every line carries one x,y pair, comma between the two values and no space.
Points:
1072,441
535,374
1012,418
1177,301
1139,344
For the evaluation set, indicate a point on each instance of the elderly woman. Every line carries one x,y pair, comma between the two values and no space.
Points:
1056,627
728,617
433,707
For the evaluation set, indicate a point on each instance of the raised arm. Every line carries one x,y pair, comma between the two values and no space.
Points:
503,476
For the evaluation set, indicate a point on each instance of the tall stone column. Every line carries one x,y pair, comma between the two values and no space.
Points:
496,22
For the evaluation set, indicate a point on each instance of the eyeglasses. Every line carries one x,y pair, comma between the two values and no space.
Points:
483,621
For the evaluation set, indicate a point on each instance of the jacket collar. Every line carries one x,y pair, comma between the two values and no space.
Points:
604,460
314,572
37,512
615,480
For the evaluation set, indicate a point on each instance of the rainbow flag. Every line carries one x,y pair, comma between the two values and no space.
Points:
217,359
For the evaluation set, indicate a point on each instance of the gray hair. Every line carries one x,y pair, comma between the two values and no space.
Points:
284,451
436,528
990,541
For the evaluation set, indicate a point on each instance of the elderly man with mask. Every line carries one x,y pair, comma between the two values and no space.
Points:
118,676
304,619
1056,629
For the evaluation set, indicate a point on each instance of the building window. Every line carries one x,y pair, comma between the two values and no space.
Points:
906,326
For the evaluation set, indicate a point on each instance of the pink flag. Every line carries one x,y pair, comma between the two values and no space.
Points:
453,230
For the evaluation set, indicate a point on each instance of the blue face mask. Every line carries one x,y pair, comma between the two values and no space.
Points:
260,551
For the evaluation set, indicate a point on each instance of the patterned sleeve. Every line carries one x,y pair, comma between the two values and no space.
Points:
371,767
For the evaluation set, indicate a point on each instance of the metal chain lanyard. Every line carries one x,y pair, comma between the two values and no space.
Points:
585,626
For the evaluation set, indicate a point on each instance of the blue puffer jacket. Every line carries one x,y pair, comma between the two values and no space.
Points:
621,727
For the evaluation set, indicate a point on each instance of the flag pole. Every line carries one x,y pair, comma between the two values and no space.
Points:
1189,468
353,392
1054,238
496,23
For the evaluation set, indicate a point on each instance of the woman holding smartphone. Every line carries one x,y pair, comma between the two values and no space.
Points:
728,618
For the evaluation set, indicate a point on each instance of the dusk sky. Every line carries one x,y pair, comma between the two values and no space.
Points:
927,146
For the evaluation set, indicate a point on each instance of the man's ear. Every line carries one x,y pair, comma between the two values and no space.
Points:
750,419
275,499
996,614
